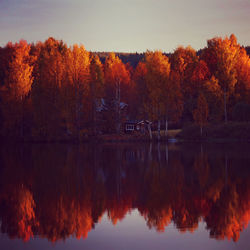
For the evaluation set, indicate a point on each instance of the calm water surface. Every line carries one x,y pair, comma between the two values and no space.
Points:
125,196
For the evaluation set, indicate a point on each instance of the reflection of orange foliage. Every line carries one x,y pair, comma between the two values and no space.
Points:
158,219
119,211
83,223
165,193
185,220
25,214
66,218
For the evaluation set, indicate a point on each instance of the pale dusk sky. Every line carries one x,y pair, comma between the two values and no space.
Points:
125,25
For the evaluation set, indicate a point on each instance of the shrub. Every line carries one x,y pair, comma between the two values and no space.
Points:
241,112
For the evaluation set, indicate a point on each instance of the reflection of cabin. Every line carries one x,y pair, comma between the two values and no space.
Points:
131,126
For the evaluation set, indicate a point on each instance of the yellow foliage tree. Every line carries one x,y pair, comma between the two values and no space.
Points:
76,89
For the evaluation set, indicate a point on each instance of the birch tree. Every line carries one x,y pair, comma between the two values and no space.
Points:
116,77
226,54
164,96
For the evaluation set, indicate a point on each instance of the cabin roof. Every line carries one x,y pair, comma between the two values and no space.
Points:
138,122
101,105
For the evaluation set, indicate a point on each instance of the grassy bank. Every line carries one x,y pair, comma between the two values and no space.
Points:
231,131
138,137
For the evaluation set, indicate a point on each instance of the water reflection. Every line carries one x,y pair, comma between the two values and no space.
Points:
58,191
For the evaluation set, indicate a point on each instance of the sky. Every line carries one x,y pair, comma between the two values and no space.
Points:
125,25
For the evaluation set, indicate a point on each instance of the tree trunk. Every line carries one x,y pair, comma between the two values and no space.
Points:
201,150
159,152
149,131
93,95
166,128
226,168
166,153
118,175
77,113
225,106
118,108
159,130
150,152
94,117
22,117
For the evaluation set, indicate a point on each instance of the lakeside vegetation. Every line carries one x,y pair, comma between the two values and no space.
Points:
52,92
232,131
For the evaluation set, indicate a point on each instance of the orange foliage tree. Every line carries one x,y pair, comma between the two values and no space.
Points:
48,80
183,63
242,87
226,54
81,93
16,88
141,95
214,96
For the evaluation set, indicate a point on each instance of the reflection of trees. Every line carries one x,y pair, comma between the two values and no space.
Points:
58,191
19,220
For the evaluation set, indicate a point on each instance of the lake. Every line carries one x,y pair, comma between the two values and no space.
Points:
125,196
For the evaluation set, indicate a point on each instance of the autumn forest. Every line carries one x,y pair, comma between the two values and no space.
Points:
50,91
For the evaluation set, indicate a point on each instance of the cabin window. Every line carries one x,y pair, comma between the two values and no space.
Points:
130,127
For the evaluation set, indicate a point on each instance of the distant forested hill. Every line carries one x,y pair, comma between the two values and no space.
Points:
134,58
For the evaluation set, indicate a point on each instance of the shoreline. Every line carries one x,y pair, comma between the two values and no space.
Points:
126,140
217,133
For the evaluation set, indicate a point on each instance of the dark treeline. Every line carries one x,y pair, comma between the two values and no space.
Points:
182,185
131,58
50,91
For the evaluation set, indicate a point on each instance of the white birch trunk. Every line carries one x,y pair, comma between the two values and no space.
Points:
159,130
159,152
118,108
166,128
166,153
150,152
149,131
225,106
226,168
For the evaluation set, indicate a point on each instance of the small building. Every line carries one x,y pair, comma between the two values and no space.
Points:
132,126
